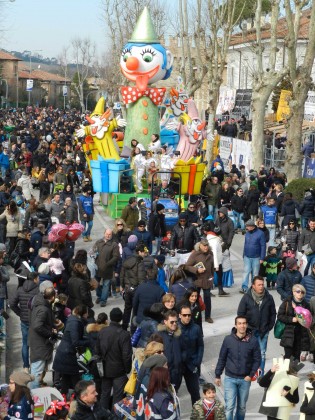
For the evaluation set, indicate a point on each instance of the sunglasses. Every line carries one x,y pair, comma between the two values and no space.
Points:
291,223
191,207
159,352
173,322
189,315
120,224
182,221
300,291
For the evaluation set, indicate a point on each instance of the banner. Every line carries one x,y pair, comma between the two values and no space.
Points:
309,168
309,107
29,85
225,151
242,153
283,110
226,100
65,90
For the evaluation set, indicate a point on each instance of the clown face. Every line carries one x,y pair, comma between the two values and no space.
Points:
145,64
178,102
194,129
99,124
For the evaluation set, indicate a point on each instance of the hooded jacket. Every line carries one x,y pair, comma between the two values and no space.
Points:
309,283
147,293
286,280
226,227
144,237
132,272
307,207
19,301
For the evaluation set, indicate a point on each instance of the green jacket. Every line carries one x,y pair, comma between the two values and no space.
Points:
198,412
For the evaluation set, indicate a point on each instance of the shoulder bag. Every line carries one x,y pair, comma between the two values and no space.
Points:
279,327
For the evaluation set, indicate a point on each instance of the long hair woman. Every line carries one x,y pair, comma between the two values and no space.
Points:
14,223
21,402
191,299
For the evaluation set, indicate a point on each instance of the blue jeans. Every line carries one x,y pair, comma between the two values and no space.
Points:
238,220
87,232
25,348
37,369
304,222
102,291
310,262
212,210
272,236
263,348
251,266
156,246
3,171
236,392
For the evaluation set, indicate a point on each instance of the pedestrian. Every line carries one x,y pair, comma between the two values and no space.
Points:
269,213
238,204
191,299
212,192
271,267
161,279
114,347
130,213
240,357
307,209
13,217
307,244
144,236
179,283
253,254
86,210
121,233
258,306
21,402
209,405
288,278
151,319
184,237
157,227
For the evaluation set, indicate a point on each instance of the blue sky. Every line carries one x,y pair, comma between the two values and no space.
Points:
50,25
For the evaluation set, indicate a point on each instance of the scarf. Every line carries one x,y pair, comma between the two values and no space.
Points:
258,298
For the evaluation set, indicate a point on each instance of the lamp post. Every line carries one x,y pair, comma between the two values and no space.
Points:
6,92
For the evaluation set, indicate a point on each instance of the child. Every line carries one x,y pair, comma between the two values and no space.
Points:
209,407
151,170
271,267
161,279
58,410
166,243
270,217
60,309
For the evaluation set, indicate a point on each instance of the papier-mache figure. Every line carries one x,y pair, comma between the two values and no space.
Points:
102,124
144,61
175,103
307,408
281,388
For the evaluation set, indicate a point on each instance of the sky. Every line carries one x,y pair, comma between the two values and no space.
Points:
50,25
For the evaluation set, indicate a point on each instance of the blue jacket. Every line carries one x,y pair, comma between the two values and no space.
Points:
147,293
180,288
4,160
162,279
192,340
238,357
286,280
270,214
85,205
145,237
309,283
255,244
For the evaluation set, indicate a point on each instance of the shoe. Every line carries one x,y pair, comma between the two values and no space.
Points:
223,294
26,370
201,380
89,239
209,320
243,291
98,300
85,239
212,295
103,304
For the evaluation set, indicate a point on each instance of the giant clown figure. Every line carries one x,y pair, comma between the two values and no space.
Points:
144,61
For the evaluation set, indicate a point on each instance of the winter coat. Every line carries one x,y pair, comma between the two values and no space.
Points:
121,237
70,215
79,290
85,204
56,208
20,410
148,327
130,215
239,357
307,207
174,352
307,237
27,187
238,203
199,414
180,288
162,406
286,314
261,317
252,200
309,283
4,278
147,293
224,197
41,326
157,226
215,243
93,330
96,412
107,258
22,247
288,211
201,279
212,193
144,237
14,223
291,237
19,301
65,360
286,280
192,341
114,347
132,272
226,227
255,244
36,241
184,238
266,233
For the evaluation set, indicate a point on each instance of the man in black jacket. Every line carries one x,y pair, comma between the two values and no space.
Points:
226,227
114,347
258,306
157,227
240,357
19,305
184,237
87,407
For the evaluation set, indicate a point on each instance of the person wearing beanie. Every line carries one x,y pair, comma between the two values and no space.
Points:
114,347
184,237
130,248
21,401
80,257
143,235
157,227
161,278
307,209
86,211
288,278
130,213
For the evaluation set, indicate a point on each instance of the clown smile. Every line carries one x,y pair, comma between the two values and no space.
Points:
141,78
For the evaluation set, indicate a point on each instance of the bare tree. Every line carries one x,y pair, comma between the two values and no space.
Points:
300,74
265,77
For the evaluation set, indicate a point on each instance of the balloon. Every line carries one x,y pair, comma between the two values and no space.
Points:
74,231
304,316
58,233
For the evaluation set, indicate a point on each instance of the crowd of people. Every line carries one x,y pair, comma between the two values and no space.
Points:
139,356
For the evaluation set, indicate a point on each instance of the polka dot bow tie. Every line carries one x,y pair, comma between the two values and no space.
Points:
131,94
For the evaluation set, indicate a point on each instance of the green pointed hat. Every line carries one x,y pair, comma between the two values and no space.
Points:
144,31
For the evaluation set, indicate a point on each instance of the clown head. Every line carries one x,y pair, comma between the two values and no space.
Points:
194,126
99,120
144,60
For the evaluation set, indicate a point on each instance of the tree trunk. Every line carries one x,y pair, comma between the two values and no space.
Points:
214,92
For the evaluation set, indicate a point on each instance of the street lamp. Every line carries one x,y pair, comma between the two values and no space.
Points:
6,92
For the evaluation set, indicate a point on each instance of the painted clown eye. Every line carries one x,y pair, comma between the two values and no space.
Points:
147,55
126,54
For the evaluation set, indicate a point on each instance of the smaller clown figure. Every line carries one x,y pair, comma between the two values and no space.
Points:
101,127
144,61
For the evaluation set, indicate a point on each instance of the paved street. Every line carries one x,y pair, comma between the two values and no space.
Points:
223,313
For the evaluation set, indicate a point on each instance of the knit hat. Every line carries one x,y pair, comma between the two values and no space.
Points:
160,258
80,257
182,216
204,242
152,348
156,360
132,238
290,263
141,223
223,210
116,315
159,207
21,378
250,222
